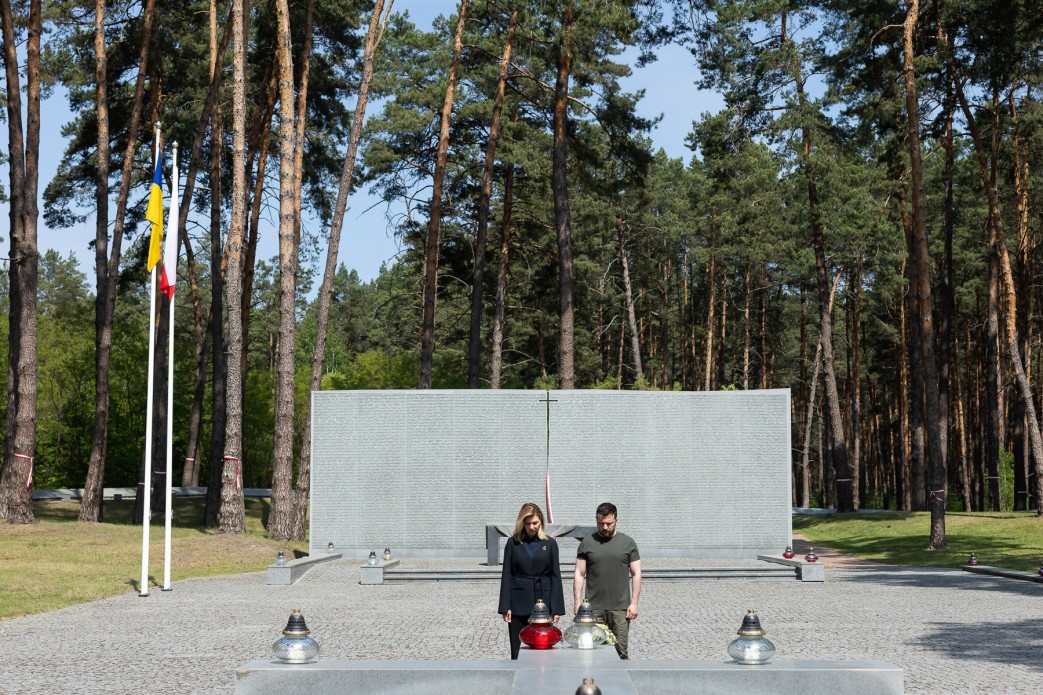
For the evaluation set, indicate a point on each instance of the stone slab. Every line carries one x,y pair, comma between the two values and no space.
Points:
375,678
806,571
1001,572
773,678
295,569
374,574
694,474
494,532
563,670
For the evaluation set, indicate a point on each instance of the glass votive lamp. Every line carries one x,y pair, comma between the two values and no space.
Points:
280,559
372,558
540,633
295,646
584,632
387,552
751,647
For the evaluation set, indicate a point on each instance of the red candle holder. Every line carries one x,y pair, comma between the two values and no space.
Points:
811,556
788,552
973,561
540,633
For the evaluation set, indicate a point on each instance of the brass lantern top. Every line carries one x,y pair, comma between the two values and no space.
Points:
751,625
585,614
540,613
295,625
588,687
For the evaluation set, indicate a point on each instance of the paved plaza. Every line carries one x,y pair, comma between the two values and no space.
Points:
951,631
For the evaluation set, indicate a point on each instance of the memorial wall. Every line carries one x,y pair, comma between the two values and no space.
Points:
694,474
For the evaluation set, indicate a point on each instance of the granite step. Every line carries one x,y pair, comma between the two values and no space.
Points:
770,573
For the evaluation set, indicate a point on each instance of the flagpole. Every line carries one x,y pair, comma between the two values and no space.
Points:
146,489
173,224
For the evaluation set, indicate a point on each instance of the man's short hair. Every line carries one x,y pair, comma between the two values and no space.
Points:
606,509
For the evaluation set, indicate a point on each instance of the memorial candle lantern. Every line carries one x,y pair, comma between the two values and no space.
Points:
588,687
584,632
1040,569
280,559
295,646
973,560
540,633
811,556
751,647
387,552
372,558
788,552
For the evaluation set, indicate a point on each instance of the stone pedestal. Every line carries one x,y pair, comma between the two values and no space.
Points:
563,670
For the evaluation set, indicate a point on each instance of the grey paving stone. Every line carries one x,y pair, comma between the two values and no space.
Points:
950,631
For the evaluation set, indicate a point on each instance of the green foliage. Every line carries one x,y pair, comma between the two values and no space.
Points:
1006,480
375,369
1000,539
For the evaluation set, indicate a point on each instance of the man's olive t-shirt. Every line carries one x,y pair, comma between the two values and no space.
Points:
608,569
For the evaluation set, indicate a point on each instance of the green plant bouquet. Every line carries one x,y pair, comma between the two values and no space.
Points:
609,637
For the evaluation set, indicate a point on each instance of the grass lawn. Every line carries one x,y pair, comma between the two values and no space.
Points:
1001,539
60,562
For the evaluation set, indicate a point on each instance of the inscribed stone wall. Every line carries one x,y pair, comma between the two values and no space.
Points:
694,474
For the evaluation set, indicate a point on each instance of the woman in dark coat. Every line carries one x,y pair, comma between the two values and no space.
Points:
530,571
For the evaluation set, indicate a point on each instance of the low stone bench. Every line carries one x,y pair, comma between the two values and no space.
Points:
563,670
1001,572
374,574
806,571
494,532
295,569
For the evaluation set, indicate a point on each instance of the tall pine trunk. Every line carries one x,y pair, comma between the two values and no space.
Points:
434,226
997,241
91,504
280,518
474,346
496,361
107,275
920,256
231,515
562,215
833,419
20,428
628,299
303,487
218,339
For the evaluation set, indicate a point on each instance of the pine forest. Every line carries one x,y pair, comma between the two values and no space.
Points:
858,223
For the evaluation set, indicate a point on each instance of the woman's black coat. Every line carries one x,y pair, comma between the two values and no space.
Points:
525,579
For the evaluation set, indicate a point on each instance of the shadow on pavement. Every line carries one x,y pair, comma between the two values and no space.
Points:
1000,643
940,578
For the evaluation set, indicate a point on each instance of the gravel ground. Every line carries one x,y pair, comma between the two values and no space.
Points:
951,631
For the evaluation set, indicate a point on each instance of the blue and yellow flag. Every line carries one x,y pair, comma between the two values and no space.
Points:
154,214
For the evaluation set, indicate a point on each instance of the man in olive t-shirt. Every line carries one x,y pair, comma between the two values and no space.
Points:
607,560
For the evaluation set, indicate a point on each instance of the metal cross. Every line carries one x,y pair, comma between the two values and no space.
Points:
548,400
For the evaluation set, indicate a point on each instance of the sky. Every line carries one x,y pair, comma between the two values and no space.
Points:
367,240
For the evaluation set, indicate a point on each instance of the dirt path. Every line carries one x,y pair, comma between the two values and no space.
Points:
829,557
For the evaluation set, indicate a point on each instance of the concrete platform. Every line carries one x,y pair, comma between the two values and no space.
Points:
1001,572
295,569
806,571
374,574
563,670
